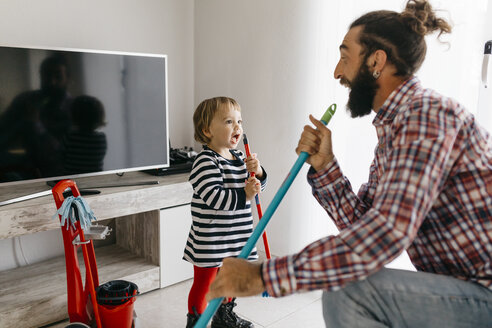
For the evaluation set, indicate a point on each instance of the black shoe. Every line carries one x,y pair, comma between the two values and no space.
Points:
226,318
192,319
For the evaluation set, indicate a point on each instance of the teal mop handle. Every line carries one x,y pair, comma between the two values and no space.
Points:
214,304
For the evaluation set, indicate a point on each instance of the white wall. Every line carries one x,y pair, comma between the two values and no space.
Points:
485,92
144,26
455,70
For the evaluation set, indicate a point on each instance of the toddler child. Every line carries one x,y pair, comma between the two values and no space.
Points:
220,207
84,146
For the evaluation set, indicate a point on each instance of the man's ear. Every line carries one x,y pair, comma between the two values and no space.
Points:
377,61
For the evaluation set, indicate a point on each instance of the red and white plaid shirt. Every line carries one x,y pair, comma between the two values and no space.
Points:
429,192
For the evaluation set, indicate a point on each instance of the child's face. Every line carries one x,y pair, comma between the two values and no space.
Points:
226,129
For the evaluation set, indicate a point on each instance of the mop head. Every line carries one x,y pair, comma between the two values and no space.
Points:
68,216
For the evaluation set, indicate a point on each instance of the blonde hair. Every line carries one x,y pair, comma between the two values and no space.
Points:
205,113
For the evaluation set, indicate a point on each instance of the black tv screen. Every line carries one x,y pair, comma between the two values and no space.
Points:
67,113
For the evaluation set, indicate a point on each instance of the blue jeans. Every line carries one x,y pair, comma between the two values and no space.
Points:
397,298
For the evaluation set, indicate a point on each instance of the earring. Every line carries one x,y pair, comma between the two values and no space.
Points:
376,74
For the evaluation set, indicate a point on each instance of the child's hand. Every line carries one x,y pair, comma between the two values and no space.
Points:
253,165
253,187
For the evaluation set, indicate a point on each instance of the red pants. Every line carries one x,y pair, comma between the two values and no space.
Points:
202,279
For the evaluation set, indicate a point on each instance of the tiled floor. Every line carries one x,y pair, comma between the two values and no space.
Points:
167,308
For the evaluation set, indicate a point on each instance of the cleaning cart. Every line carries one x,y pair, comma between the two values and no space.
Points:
109,305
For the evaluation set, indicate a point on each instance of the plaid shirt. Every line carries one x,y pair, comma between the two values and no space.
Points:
429,192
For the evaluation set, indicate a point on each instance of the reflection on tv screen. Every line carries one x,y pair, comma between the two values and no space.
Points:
69,113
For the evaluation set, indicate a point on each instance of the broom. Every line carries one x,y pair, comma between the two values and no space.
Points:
258,208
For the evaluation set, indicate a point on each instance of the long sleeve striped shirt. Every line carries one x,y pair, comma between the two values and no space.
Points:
429,192
222,220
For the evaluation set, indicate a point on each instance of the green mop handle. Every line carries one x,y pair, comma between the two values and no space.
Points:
214,304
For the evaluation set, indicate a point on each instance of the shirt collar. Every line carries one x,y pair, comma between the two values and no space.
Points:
390,108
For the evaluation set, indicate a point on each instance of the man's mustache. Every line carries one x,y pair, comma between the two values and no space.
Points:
346,83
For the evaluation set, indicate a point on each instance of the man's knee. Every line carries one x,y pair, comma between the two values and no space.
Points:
331,308
352,306
340,309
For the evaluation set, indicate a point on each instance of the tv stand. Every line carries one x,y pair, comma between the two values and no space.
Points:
67,193
83,192
88,190
125,184
25,197
52,183
150,224
135,192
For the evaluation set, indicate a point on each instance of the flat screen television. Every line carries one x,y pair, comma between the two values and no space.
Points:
68,113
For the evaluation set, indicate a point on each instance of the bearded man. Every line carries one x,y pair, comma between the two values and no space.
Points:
429,192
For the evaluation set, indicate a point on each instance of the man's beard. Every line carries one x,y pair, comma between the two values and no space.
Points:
362,92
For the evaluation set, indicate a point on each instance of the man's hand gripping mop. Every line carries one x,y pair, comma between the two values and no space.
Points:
215,303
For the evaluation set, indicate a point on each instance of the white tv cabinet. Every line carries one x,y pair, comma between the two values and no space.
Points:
150,222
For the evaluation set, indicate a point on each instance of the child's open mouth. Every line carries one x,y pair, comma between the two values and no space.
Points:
235,138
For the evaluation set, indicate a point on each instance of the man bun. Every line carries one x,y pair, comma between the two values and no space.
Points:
419,16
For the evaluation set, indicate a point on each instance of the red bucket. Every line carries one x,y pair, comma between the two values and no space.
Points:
117,316
115,303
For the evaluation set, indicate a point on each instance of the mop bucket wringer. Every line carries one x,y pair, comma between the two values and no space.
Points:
109,305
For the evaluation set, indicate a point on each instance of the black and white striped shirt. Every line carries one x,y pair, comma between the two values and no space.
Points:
84,151
222,218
